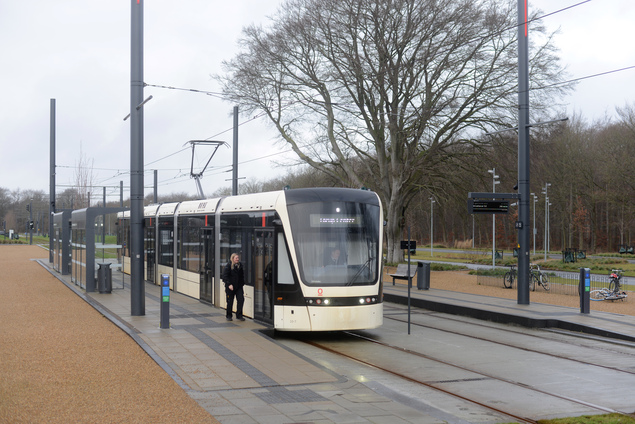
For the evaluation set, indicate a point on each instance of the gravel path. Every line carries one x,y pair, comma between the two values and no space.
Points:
63,362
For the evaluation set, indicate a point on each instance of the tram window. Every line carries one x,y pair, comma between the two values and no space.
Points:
323,228
285,276
189,248
166,247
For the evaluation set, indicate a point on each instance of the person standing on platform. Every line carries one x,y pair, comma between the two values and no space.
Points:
234,278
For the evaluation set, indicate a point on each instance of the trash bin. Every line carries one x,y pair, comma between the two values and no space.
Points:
104,278
423,275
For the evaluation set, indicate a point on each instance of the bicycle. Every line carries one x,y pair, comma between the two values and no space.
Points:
510,276
606,294
615,279
538,277
614,292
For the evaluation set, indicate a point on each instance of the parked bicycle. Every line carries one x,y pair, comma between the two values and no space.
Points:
538,277
615,280
510,276
614,291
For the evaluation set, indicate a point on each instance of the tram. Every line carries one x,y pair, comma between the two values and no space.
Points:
312,256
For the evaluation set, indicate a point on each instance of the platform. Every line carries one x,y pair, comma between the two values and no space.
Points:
241,375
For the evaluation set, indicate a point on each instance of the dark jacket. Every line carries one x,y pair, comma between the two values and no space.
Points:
235,277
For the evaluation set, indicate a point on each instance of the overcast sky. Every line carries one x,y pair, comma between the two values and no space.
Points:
78,52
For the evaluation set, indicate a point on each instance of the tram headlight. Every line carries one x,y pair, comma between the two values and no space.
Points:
326,301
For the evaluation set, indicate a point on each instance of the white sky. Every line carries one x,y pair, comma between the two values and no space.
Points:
78,52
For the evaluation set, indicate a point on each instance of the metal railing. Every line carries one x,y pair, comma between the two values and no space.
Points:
560,282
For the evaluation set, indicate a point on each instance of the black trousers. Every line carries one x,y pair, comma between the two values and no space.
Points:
240,299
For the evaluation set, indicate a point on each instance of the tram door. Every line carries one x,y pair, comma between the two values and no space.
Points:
207,264
263,264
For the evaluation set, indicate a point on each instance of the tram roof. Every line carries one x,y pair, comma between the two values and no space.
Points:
204,206
251,202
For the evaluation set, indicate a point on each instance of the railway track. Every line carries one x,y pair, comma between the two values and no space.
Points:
380,351
622,348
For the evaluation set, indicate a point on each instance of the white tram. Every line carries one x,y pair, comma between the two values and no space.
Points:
312,257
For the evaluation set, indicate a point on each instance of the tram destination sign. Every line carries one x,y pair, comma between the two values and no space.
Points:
487,206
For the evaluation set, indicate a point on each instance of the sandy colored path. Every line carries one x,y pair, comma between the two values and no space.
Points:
63,362
461,281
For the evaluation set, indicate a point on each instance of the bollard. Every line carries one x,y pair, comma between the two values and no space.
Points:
585,290
165,301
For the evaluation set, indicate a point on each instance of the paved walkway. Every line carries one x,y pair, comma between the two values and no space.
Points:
239,375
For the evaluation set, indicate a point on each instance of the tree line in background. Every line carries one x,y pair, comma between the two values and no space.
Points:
589,166
590,171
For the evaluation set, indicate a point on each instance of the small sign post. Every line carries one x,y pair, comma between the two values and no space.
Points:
409,245
165,301
585,290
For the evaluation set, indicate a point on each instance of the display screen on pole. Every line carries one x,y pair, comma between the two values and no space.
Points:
487,206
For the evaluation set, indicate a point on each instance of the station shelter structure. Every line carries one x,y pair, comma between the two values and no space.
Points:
77,240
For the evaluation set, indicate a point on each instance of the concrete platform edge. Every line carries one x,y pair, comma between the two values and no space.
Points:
503,318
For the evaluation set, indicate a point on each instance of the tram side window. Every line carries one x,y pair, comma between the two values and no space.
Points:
148,240
190,249
230,242
166,247
285,275
123,236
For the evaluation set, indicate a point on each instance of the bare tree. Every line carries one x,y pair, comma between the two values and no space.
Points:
400,86
84,179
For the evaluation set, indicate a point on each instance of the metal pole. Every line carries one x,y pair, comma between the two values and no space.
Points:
523,154
494,182
235,161
156,186
30,220
545,242
431,226
121,194
472,231
137,291
51,179
493,222
409,279
535,200
548,226
103,221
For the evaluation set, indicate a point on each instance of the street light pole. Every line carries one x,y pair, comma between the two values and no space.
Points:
535,200
548,225
546,241
431,226
494,182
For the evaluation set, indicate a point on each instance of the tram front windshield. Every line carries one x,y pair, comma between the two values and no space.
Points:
336,243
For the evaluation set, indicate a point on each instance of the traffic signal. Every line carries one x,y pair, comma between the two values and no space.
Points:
28,207
31,225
